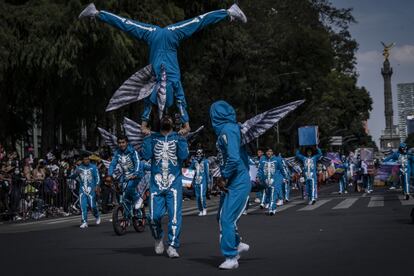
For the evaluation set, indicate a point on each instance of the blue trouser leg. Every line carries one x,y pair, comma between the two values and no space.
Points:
287,190
311,188
279,190
187,28
85,201
200,196
131,196
180,101
406,183
174,199
273,195
341,184
232,205
259,194
157,211
147,110
139,30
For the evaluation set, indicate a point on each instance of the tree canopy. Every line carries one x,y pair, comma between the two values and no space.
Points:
65,70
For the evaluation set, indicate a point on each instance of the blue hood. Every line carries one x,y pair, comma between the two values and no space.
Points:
221,113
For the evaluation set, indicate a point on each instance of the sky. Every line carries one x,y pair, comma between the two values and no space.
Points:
388,21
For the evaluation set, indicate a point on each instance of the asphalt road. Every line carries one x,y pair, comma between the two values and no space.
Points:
355,234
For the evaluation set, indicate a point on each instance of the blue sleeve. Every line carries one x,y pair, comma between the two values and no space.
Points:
318,155
231,142
147,148
96,176
113,164
260,172
182,149
146,166
207,170
137,164
390,157
300,156
192,165
283,168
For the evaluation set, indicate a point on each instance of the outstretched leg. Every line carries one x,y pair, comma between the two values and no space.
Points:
139,30
187,28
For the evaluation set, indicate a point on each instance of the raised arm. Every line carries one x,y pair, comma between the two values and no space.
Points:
147,148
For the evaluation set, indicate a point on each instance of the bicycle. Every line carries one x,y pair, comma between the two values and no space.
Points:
125,213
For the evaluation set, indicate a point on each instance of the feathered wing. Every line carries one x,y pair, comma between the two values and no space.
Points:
214,166
256,126
294,164
133,132
139,86
109,139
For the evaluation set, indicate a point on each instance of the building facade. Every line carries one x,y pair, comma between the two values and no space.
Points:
405,98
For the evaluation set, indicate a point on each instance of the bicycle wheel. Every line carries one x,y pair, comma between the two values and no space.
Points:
139,221
119,222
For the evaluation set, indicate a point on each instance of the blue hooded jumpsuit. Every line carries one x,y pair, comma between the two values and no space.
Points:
130,164
234,167
271,174
287,181
167,154
405,161
88,178
163,44
200,181
310,172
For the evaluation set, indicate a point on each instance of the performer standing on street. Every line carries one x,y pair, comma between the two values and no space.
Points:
201,179
271,173
235,182
167,151
405,160
163,44
88,177
309,168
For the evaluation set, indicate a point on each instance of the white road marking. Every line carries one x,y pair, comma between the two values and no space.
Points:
346,203
318,204
376,201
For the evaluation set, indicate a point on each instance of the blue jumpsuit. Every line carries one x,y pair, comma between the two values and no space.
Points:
343,179
167,154
271,174
200,181
310,172
405,161
286,182
130,165
163,44
88,178
234,167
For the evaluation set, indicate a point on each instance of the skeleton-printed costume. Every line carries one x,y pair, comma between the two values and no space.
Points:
271,173
286,181
343,179
88,179
405,161
163,45
201,180
128,161
234,167
167,154
366,178
261,189
310,172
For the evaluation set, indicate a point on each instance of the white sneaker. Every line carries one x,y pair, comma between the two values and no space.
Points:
243,247
346,192
272,213
98,221
159,246
392,188
204,212
84,225
257,200
236,13
244,213
89,11
262,206
267,206
172,253
200,214
230,263
279,202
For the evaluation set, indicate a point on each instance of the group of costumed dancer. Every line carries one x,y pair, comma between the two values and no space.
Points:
164,150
